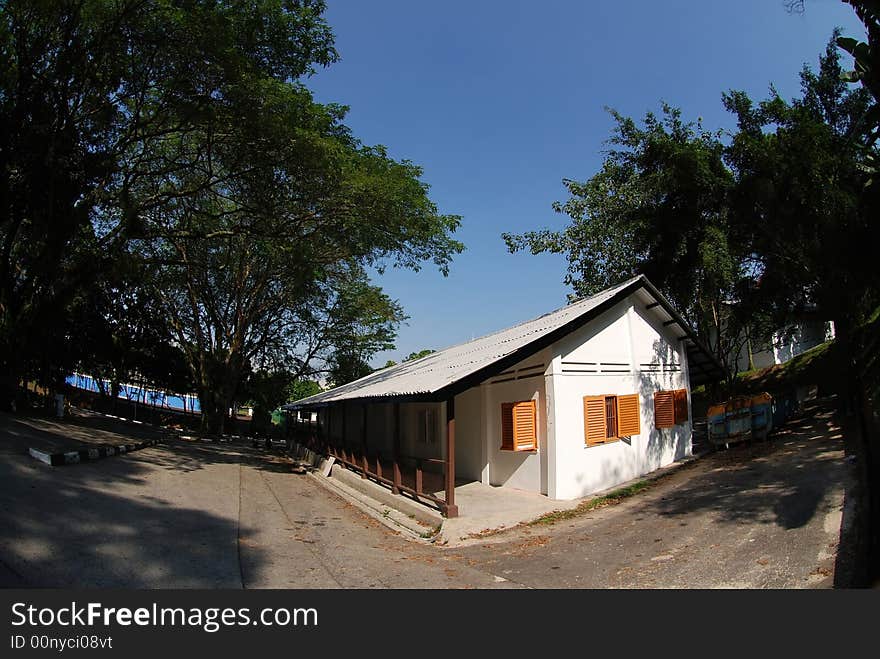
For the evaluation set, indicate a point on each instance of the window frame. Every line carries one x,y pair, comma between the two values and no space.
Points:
427,426
611,416
512,444
591,425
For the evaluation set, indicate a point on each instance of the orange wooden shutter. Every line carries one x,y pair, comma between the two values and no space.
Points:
664,409
507,426
594,419
525,426
519,426
628,415
681,405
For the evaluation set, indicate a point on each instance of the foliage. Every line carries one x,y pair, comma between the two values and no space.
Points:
365,322
87,89
741,233
418,355
299,389
866,70
180,138
658,207
800,196
410,357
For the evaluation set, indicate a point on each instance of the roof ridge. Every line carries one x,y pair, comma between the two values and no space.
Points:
469,357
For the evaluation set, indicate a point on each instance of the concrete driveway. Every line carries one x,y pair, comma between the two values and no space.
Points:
189,514
766,515
194,515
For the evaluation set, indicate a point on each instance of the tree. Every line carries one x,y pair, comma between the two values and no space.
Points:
267,264
740,233
182,138
418,355
259,244
299,389
88,89
119,334
367,322
800,197
410,357
658,207
866,70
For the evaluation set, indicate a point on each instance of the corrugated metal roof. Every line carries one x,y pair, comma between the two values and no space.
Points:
458,367
445,367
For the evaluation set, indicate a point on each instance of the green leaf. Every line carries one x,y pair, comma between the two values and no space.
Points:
848,44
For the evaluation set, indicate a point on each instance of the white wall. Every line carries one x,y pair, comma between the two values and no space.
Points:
785,343
469,451
625,351
524,470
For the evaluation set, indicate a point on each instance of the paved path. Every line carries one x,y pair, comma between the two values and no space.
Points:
761,516
189,514
196,515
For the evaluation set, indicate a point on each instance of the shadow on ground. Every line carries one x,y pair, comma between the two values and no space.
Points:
165,516
767,482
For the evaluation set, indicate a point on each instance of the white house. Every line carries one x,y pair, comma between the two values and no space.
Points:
785,343
575,401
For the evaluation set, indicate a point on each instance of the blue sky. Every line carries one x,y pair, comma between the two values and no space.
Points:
499,101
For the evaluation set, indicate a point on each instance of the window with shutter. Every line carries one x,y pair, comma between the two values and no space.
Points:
519,426
664,409
608,418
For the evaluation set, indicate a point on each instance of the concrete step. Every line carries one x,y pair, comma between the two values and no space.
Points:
392,510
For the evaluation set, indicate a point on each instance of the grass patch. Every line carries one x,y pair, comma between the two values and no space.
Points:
616,496
819,365
813,366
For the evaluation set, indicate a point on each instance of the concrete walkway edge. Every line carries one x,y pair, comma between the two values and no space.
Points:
393,519
87,455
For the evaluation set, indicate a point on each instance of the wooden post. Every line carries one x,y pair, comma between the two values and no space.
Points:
364,461
345,455
344,433
395,488
419,479
451,508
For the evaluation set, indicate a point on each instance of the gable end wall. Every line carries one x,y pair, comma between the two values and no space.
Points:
626,350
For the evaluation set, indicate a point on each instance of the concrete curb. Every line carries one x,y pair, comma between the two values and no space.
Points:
393,519
87,455
427,517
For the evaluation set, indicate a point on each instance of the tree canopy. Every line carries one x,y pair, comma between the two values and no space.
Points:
740,230
179,137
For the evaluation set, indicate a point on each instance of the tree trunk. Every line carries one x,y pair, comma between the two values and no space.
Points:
215,399
214,412
862,432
